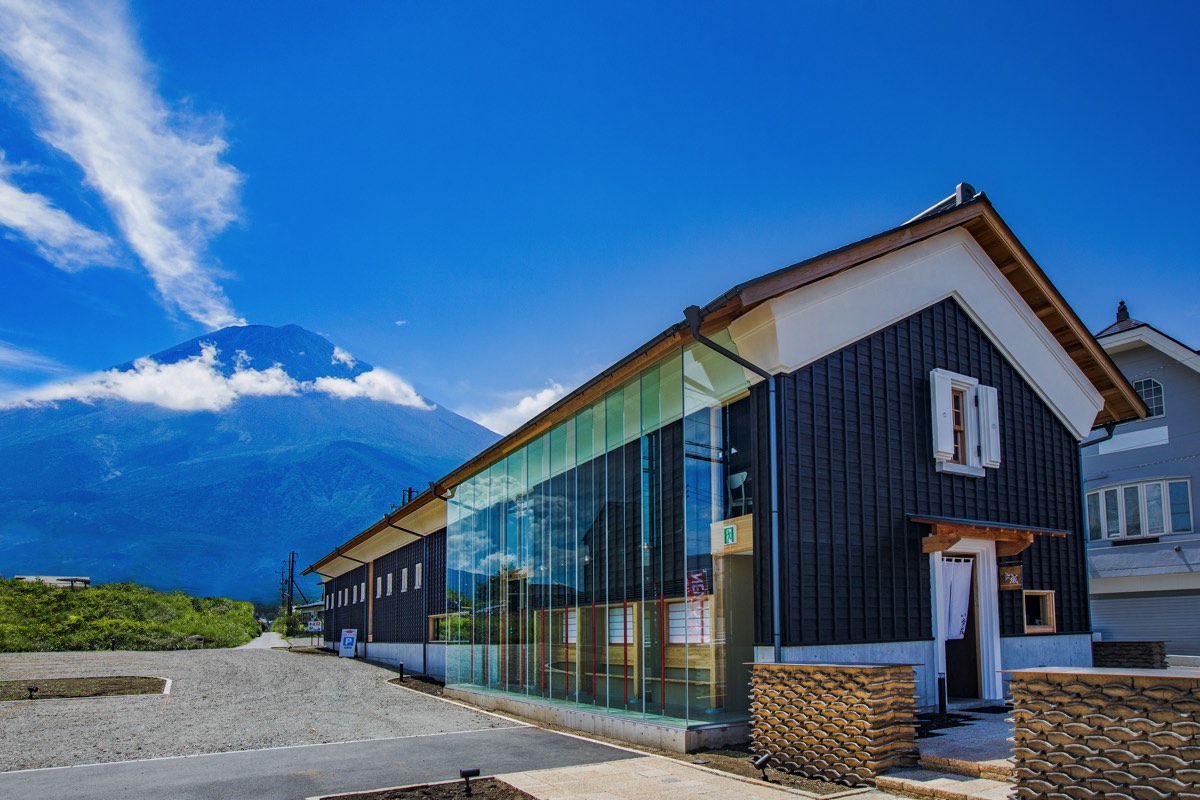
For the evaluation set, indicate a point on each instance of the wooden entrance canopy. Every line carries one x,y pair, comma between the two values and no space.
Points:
1010,539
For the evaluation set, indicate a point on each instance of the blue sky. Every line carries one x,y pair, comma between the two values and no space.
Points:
495,201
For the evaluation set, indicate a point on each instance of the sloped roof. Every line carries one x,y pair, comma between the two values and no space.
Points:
966,209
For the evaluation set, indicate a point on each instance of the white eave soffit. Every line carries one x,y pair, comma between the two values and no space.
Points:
809,323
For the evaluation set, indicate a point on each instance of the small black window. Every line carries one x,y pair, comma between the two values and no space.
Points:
1151,392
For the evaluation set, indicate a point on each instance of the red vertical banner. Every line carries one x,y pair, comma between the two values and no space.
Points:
697,583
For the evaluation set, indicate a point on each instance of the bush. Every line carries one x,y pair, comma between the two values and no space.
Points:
118,616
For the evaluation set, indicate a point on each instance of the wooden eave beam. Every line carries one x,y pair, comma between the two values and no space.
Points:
1009,541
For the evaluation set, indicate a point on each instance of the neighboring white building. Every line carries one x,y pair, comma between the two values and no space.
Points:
1144,547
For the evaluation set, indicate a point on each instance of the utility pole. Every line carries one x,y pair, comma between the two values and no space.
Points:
291,581
283,588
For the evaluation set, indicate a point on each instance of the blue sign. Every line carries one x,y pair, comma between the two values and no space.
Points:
349,639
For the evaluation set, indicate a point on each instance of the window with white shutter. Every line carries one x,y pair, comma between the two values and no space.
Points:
966,424
417,576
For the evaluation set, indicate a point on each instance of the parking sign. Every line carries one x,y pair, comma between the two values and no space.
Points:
349,639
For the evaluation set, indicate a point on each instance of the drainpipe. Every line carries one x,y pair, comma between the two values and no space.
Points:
693,317
1109,429
424,594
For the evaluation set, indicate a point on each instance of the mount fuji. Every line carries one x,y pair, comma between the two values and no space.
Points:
199,468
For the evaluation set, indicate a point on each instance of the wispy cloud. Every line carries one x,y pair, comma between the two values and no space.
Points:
378,384
18,359
199,383
56,235
508,418
159,171
400,323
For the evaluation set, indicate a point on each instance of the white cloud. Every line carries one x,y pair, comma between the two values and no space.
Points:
56,235
400,323
158,171
340,356
197,383
507,419
19,359
193,384
378,384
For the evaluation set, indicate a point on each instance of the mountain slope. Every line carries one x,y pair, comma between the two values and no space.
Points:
212,501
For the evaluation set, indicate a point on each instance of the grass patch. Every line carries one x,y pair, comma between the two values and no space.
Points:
49,688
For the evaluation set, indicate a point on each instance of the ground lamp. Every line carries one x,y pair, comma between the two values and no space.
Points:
761,764
466,775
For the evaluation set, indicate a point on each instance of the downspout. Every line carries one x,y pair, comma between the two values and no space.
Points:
424,592
1109,429
693,317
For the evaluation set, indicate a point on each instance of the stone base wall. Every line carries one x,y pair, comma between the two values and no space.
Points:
1129,655
1106,733
838,722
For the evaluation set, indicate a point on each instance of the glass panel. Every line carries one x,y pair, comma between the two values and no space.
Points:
1095,531
1181,509
608,520
1133,512
1154,509
1112,514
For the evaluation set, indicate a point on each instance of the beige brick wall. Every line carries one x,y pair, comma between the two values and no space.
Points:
838,722
1106,733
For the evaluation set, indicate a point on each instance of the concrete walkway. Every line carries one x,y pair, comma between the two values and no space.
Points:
267,640
652,777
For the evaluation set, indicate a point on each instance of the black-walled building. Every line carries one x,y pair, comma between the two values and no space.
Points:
919,397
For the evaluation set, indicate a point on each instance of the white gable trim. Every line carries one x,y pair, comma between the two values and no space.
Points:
1145,335
809,323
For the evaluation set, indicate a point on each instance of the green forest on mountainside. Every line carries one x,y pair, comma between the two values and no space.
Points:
117,616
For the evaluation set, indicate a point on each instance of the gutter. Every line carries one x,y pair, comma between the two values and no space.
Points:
693,316
1109,429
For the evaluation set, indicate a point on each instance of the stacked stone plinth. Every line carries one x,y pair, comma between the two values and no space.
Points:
1101,733
1130,655
843,723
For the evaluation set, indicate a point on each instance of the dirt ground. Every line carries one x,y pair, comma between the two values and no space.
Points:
734,759
53,688
484,789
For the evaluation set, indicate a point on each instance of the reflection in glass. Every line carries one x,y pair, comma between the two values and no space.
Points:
593,566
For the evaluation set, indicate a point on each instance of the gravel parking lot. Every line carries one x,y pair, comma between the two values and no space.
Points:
220,700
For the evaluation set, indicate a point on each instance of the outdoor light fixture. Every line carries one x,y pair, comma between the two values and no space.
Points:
466,775
760,763
32,691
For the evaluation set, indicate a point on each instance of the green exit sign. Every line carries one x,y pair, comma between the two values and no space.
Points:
731,534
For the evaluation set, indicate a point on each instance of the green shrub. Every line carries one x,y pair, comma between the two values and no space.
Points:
118,616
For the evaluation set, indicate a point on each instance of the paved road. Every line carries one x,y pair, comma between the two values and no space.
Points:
291,773
267,639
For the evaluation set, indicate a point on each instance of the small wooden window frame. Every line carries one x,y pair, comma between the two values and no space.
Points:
958,417
1049,623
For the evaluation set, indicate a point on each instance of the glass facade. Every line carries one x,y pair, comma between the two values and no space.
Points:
607,563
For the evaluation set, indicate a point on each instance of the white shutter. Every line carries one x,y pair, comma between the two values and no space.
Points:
941,391
989,427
